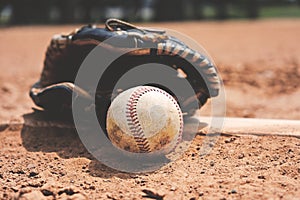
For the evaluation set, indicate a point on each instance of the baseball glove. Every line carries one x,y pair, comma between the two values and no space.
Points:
65,54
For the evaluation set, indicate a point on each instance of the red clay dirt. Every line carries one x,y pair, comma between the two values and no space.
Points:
260,65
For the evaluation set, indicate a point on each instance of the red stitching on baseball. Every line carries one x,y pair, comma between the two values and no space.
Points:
134,124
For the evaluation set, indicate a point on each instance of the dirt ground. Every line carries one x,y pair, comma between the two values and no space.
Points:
260,65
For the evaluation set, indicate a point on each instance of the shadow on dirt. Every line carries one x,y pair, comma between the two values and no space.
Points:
41,133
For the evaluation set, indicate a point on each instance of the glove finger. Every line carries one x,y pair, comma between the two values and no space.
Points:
58,97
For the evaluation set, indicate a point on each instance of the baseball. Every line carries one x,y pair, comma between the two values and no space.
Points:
145,119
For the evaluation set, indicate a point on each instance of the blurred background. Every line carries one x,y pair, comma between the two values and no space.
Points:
257,57
91,11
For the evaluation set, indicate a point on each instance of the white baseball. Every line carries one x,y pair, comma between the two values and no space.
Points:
145,119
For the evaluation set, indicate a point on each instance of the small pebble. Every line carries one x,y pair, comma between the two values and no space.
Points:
229,140
173,188
261,177
133,176
25,190
232,192
92,187
283,185
47,192
35,184
143,181
109,195
30,166
15,189
68,191
153,194
290,151
33,174
241,156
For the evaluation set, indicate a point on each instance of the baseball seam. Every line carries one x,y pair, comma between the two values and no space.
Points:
133,121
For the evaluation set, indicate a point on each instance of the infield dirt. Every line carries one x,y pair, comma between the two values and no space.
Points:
260,65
